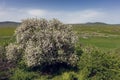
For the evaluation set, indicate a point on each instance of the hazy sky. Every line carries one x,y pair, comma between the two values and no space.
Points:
68,11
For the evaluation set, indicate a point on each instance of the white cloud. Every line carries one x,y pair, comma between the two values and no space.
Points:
80,16
36,12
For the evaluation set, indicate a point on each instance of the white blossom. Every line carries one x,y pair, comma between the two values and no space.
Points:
44,42
12,52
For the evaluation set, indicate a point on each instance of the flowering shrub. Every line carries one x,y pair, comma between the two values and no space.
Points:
13,52
2,50
4,65
43,42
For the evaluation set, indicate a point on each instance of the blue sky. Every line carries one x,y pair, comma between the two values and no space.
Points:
68,11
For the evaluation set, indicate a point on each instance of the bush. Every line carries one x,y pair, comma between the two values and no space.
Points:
13,52
98,65
4,65
44,42
2,53
20,74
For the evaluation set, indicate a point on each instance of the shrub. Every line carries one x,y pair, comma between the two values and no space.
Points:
95,64
70,75
2,52
13,52
4,65
44,42
20,74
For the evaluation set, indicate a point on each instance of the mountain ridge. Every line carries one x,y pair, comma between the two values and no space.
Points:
9,24
15,24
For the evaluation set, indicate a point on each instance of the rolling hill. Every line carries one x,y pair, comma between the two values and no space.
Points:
9,24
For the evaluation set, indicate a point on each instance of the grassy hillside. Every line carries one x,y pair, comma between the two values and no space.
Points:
102,36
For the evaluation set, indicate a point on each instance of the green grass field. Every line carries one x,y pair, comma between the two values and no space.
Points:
103,43
6,31
104,36
6,34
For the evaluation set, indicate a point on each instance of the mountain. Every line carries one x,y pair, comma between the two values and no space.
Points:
15,24
9,24
96,23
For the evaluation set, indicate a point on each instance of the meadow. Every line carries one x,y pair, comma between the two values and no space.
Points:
99,55
106,37
6,34
102,36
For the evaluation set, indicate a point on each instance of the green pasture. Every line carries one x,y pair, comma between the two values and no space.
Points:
6,34
106,29
102,42
102,36
6,31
